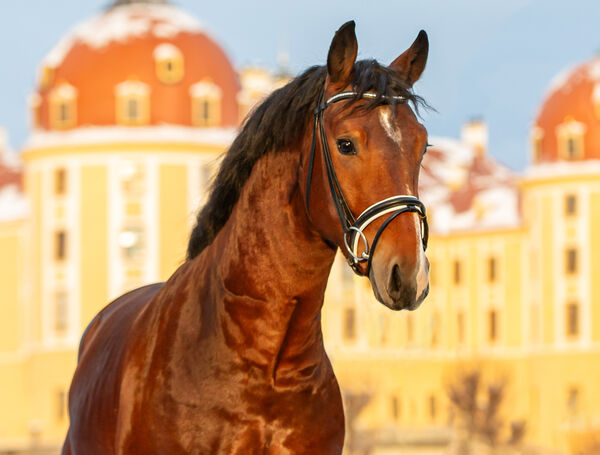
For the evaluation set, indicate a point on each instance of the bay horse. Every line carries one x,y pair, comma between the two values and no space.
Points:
227,356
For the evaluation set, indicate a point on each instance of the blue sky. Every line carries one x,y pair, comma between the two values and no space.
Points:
490,59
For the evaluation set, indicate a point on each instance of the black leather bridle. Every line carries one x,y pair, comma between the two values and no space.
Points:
353,227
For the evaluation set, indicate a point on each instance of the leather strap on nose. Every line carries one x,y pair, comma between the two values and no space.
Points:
414,206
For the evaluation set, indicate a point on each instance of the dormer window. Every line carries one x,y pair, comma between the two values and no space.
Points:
169,63
35,104
206,104
46,76
537,136
133,103
63,107
570,139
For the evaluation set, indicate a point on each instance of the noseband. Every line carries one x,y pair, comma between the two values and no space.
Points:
353,227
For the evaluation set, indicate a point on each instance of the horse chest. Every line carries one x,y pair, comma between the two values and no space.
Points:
239,420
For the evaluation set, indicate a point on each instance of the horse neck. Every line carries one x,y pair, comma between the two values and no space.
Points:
272,268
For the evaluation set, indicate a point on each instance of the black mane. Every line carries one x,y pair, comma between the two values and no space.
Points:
276,124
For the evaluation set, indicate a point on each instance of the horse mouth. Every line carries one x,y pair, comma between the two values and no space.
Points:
405,300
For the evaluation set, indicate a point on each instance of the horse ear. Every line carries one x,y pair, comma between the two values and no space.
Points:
342,54
412,62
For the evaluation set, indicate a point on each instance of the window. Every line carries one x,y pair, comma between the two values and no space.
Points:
169,63
132,178
571,204
206,104
349,324
432,406
61,315
133,103
570,137
491,270
460,327
395,405
571,260
46,77
131,242
61,404
572,319
573,400
457,271
60,181
492,326
63,107
60,245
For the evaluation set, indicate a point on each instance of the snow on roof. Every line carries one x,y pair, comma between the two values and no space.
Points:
111,134
13,205
123,23
466,191
559,81
562,168
565,79
12,200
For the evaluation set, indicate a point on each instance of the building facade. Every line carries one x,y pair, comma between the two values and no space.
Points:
132,109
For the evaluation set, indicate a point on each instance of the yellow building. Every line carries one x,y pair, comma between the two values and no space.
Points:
130,112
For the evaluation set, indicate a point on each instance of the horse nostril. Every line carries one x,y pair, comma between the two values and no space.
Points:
395,284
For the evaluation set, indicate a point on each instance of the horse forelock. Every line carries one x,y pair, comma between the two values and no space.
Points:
277,124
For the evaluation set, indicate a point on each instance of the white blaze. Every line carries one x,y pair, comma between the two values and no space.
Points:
422,276
394,133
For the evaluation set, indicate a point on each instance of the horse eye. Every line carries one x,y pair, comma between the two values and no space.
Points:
346,147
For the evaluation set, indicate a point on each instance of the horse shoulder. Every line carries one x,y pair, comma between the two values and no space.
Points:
94,393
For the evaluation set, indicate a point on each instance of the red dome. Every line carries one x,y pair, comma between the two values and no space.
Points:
121,45
572,106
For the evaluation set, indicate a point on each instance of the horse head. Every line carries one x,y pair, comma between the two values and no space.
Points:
362,173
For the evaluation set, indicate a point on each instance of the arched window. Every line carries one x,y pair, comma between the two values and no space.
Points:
570,136
169,63
206,104
63,107
133,103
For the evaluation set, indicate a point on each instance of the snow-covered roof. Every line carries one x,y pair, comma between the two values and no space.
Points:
465,190
123,23
112,134
562,168
13,205
12,200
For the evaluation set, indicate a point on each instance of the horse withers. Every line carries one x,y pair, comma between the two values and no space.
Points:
227,356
